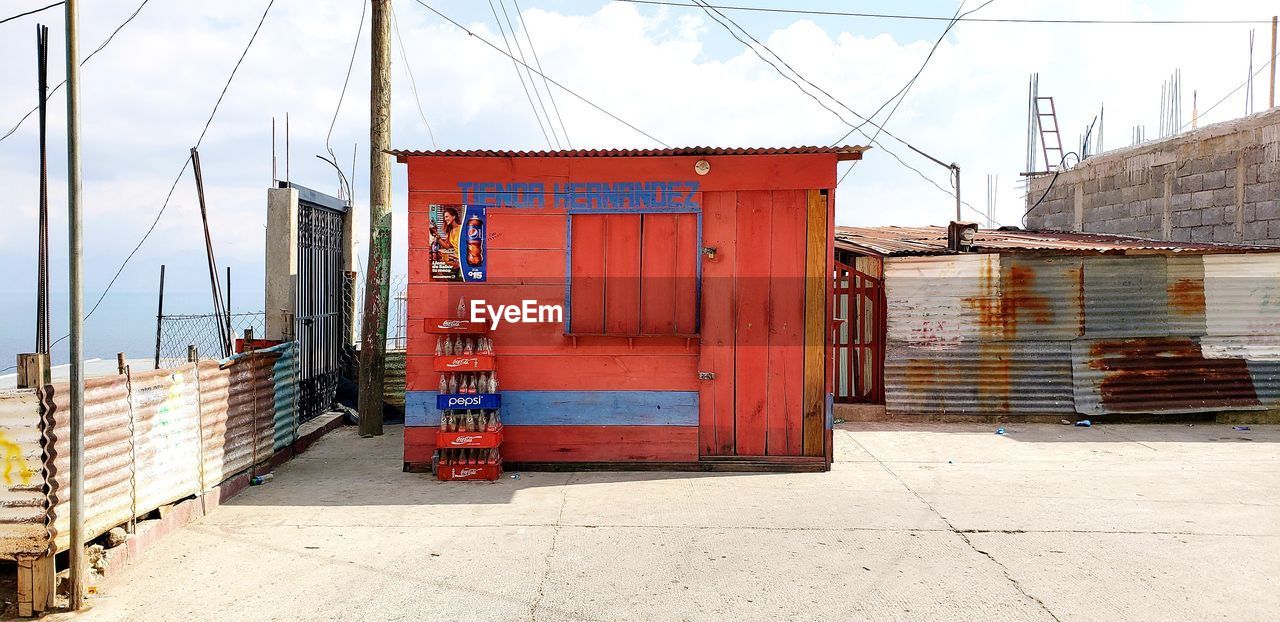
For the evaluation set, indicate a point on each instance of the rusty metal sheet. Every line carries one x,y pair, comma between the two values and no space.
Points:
1158,375
1125,297
22,500
938,303
238,408
1184,291
982,378
1041,299
166,436
108,460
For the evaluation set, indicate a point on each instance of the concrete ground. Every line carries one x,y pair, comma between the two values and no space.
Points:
914,522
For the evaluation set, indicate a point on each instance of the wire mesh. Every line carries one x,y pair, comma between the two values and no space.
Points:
179,332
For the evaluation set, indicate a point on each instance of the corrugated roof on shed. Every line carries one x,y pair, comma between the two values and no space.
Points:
899,241
848,152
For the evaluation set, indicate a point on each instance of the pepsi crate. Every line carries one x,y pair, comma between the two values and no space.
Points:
469,401
469,440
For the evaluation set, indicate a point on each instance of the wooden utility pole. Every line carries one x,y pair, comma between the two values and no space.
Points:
1271,100
377,283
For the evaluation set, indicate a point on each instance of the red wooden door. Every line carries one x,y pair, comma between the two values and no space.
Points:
858,333
753,290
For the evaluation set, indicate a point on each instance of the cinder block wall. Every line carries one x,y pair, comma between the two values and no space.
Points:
1220,183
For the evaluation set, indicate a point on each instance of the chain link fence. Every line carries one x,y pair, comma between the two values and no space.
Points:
178,332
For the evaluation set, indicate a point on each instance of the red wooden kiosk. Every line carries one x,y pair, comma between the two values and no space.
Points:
660,309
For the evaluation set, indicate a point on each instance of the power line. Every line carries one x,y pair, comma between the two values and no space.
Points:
553,81
515,37
550,95
86,59
1233,92
185,163
413,83
901,95
31,12
939,18
516,65
342,95
708,9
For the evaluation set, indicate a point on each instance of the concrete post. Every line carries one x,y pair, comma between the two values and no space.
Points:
281,262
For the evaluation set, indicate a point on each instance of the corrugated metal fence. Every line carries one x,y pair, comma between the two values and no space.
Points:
994,334
151,438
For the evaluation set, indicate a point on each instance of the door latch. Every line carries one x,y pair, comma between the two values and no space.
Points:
706,375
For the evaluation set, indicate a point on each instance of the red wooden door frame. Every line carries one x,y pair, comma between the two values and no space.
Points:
859,291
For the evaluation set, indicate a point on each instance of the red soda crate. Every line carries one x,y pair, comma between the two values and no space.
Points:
463,362
469,472
451,326
469,440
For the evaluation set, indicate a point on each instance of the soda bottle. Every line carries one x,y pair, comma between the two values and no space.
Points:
444,421
467,350
444,384
462,307
453,383
439,346
493,382
490,423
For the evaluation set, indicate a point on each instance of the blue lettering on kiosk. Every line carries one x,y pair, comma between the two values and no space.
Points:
585,196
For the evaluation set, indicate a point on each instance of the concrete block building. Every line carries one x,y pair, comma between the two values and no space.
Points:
1220,183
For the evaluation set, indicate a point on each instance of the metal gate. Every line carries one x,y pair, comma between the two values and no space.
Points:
318,319
859,332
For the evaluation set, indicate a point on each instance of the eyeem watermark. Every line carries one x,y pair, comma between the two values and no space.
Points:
527,312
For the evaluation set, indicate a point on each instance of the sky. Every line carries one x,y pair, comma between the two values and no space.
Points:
668,70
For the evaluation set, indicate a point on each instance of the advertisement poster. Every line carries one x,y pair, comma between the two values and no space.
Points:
457,243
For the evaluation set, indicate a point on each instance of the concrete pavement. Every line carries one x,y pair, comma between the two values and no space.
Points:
914,522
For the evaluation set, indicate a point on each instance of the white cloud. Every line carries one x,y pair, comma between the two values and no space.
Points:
671,72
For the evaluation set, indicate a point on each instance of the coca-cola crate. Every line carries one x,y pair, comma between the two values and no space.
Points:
451,326
469,472
463,362
469,440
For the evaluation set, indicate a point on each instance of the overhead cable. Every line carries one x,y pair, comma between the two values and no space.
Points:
940,18
549,78
86,59
185,163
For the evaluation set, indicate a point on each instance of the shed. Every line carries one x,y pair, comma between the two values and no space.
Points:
678,302
1053,323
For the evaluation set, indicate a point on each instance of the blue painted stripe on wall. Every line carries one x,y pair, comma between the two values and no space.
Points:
659,408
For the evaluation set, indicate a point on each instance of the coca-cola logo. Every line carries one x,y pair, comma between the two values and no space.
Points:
463,440
451,324
465,472
467,362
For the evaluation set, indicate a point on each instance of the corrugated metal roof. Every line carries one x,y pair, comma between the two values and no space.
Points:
933,241
848,152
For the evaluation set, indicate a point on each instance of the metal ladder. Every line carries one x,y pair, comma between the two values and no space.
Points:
1052,150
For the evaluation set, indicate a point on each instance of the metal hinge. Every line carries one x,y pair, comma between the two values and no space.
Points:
706,375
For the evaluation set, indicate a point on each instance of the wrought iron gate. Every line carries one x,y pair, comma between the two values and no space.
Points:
859,332
318,319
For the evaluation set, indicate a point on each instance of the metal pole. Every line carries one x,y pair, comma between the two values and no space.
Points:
223,336
42,255
230,336
159,316
1271,99
76,345
377,276
956,170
